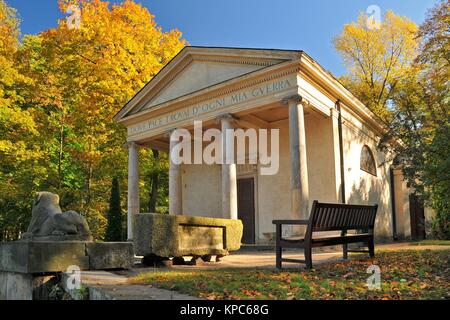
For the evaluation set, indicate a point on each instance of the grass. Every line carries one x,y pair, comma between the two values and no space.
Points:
406,274
434,243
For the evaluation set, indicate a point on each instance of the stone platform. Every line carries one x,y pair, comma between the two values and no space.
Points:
57,256
26,267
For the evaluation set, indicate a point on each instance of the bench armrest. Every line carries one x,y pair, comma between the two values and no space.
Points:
291,222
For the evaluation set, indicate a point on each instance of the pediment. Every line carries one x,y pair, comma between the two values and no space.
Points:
199,75
197,68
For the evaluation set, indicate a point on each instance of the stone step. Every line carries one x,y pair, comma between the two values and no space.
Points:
134,292
104,285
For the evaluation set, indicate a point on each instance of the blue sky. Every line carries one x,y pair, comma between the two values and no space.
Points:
284,24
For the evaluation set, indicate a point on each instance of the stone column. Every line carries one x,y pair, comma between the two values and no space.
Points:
133,186
175,185
339,179
299,170
229,181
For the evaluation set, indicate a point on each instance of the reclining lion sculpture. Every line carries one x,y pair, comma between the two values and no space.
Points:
48,222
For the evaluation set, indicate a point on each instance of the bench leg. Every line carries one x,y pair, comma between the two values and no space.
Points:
308,257
278,257
371,246
345,251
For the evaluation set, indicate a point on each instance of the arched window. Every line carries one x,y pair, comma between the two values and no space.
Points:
367,161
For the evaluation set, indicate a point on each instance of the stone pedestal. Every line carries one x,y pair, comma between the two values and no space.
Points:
25,266
110,255
25,286
37,257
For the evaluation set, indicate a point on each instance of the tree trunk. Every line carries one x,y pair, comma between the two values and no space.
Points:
61,150
88,185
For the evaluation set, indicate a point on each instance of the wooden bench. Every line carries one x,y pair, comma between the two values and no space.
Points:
329,217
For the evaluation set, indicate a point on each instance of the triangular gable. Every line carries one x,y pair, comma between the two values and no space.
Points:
197,68
199,75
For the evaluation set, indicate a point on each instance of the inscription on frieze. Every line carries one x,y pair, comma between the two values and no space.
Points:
209,106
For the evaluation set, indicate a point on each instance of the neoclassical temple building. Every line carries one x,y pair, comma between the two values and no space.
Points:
327,141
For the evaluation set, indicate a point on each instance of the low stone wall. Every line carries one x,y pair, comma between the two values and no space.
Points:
57,256
29,268
176,235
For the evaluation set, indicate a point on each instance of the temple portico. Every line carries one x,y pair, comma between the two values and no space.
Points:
322,131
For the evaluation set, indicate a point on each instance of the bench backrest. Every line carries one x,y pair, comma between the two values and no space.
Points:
332,216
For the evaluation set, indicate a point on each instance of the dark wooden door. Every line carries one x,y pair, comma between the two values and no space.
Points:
246,208
417,214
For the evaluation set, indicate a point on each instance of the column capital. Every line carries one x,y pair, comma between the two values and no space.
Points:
226,117
130,144
334,112
294,98
168,133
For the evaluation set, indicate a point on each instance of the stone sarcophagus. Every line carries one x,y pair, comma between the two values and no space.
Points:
176,235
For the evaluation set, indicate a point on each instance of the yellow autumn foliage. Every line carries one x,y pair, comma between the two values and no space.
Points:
59,91
377,59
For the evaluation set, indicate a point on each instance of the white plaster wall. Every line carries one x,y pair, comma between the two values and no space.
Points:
429,216
362,187
402,214
202,184
274,197
202,194
321,160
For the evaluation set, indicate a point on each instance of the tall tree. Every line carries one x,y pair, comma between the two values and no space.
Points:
401,72
114,228
154,182
377,58
19,147
422,119
154,168
435,59
70,82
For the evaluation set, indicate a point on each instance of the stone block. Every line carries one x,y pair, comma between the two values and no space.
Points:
16,286
177,235
110,255
42,256
3,285
19,286
23,286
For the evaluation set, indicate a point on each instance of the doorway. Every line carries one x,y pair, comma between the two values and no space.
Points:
417,214
246,208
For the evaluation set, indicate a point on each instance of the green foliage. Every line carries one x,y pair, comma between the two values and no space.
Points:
114,229
433,243
154,168
437,179
56,292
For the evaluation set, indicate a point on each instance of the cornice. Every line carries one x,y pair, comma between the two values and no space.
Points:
323,78
263,62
